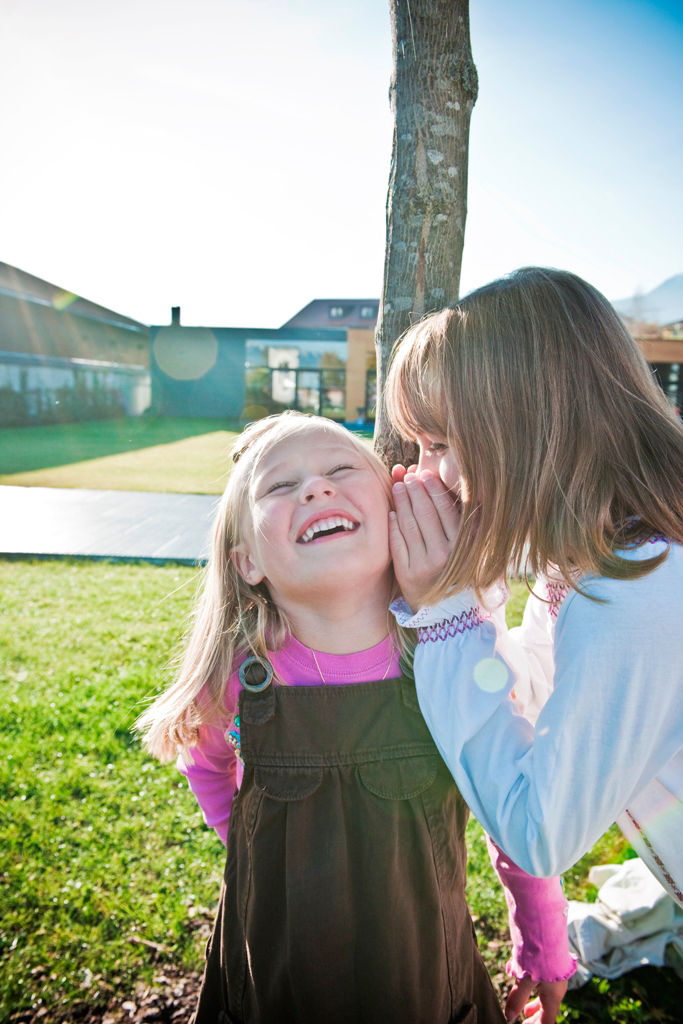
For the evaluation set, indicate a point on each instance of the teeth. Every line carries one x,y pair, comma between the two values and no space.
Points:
326,524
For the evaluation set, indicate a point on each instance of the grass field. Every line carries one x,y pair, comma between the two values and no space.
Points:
182,455
107,871
189,456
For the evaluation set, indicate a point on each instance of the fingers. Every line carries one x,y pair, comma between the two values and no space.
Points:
408,568
422,532
517,998
415,514
424,499
550,995
399,472
541,1010
447,507
400,552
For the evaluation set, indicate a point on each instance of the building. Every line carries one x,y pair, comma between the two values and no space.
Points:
321,361
40,318
59,355
663,349
358,317
65,358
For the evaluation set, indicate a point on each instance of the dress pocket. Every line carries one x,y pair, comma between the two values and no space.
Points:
468,1015
287,783
400,779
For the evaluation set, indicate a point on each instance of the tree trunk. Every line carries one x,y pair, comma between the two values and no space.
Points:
433,90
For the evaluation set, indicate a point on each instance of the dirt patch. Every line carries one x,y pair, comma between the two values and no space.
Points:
170,999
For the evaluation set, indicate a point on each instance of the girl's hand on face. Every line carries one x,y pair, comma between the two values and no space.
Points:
542,1010
422,531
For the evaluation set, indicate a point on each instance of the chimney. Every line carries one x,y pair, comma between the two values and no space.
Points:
175,316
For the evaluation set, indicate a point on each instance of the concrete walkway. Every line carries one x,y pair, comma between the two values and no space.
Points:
50,522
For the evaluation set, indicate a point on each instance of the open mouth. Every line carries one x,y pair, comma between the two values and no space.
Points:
327,527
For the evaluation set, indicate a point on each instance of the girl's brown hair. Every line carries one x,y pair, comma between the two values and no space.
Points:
568,446
233,619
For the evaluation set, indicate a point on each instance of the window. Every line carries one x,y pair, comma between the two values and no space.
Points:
297,354
281,357
333,393
337,312
370,395
270,390
368,312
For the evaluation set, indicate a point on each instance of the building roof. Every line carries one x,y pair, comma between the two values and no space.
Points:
21,285
337,313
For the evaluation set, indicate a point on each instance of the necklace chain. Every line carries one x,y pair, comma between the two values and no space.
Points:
386,670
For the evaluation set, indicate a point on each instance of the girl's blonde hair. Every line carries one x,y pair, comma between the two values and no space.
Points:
568,447
232,619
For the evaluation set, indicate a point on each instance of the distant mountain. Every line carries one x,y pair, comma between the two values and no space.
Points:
663,305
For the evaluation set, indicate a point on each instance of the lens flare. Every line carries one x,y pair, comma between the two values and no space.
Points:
185,354
491,675
62,300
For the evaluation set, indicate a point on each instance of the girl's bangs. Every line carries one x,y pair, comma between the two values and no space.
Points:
414,392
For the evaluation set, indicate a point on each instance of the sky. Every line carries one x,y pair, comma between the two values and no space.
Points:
231,157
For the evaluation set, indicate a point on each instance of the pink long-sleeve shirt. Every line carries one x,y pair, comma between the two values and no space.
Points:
537,907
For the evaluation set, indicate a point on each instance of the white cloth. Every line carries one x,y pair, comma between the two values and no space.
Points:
633,922
605,678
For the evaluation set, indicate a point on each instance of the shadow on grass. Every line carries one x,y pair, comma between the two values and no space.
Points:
642,996
23,449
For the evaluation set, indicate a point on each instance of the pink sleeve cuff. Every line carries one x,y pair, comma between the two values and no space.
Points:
513,970
537,911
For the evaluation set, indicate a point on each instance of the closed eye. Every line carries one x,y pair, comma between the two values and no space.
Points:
280,486
283,485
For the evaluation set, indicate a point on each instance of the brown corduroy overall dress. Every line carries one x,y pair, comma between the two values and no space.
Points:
343,898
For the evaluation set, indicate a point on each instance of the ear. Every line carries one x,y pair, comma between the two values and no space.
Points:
246,567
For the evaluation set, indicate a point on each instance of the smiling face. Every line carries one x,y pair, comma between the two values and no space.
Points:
316,520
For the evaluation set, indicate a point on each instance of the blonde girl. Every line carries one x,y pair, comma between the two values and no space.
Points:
343,897
547,447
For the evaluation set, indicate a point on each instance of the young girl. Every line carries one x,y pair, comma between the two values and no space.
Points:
534,406
343,897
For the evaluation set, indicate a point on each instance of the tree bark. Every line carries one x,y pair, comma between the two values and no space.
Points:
433,90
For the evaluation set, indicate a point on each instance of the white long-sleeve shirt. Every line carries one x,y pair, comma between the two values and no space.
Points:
606,682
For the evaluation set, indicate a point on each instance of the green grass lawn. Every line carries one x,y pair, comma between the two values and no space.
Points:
188,456
183,455
107,871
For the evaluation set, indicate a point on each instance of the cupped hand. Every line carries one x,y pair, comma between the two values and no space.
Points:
541,1010
422,531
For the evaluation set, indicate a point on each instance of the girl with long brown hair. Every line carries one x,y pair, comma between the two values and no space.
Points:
548,450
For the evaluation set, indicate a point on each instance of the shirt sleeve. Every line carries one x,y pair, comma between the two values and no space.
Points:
612,721
537,913
212,777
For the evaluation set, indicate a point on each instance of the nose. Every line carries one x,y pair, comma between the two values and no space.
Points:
316,487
